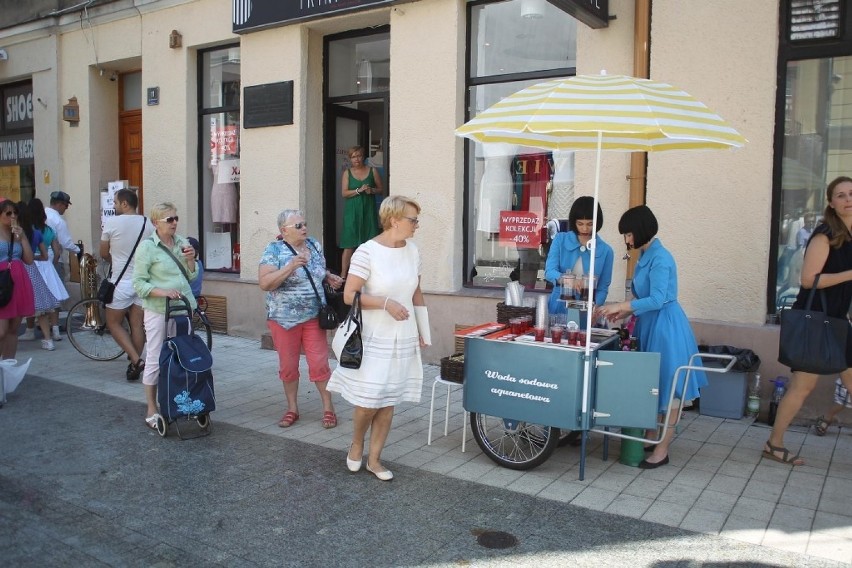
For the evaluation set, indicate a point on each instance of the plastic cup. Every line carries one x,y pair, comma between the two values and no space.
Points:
528,323
581,338
556,334
572,337
515,325
539,334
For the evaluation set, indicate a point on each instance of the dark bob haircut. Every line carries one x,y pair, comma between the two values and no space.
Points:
582,209
639,221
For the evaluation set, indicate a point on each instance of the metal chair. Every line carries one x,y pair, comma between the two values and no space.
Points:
449,385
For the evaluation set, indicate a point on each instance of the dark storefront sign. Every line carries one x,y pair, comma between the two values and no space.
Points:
593,13
17,150
253,15
17,108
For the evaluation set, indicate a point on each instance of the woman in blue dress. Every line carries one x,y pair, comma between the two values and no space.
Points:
569,252
661,324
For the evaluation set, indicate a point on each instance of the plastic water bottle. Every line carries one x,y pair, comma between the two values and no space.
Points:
777,395
754,397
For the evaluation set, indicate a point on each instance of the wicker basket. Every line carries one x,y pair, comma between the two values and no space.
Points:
505,312
452,368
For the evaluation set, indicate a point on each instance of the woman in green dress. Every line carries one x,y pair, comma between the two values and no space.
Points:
359,184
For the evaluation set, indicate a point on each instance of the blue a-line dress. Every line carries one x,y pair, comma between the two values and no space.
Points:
661,324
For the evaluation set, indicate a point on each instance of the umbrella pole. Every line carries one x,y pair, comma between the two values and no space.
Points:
591,302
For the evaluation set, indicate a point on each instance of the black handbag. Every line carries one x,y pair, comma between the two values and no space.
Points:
334,298
7,285
107,289
812,341
347,345
327,315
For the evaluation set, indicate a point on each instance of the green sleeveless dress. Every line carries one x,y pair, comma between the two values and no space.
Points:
360,218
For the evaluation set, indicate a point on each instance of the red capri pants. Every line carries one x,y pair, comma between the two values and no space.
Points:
289,343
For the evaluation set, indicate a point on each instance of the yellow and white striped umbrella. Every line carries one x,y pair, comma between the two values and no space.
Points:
602,112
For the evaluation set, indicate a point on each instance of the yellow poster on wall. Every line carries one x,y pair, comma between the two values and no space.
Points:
10,182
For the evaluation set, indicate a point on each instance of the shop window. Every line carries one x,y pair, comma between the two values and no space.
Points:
512,191
219,140
17,150
817,147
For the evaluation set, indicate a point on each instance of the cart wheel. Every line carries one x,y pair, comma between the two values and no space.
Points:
512,443
162,426
203,421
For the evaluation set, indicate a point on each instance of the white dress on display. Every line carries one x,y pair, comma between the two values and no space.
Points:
562,196
223,199
495,187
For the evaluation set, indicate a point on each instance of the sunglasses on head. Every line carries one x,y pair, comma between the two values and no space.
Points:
172,219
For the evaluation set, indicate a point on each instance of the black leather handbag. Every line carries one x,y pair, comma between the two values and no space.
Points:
812,341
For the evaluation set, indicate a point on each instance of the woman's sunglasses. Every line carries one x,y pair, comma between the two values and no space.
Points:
172,219
297,225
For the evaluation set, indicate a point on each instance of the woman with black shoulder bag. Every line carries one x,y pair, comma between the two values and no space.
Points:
828,268
291,272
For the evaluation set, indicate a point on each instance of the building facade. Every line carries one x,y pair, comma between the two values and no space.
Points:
236,110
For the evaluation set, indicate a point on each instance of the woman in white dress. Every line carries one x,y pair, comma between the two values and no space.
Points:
395,326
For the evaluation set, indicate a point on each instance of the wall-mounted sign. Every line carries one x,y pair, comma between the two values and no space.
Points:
593,13
253,15
71,111
814,19
268,105
153,96
18,107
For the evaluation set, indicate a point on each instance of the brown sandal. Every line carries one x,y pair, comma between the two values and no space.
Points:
785,457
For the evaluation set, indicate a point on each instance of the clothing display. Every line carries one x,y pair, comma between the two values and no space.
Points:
495,187
360,218
661,323
391,368
562,193
223,199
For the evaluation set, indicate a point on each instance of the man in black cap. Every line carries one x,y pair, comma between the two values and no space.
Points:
59,202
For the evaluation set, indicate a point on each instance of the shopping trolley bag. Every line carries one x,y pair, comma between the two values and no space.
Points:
186,380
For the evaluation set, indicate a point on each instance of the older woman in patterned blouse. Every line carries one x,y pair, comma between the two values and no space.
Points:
292,308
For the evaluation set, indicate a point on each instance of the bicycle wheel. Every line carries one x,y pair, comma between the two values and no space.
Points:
512,443
201,327
88,333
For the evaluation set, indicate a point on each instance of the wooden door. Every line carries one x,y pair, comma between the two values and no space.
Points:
130,151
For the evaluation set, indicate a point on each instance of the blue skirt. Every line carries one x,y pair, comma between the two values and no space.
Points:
667,331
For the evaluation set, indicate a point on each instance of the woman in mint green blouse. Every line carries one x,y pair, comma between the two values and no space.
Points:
163,266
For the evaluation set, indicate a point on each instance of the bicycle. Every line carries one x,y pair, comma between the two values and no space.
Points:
88,332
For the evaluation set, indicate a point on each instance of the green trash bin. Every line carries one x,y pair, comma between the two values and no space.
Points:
632,451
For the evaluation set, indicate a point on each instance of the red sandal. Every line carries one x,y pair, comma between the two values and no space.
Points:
329,419
288,419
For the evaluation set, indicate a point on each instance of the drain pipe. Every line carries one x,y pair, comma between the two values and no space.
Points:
639,160
641,69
